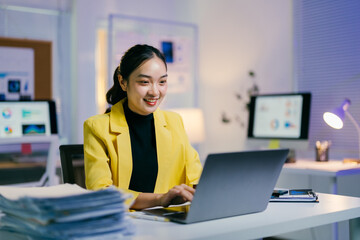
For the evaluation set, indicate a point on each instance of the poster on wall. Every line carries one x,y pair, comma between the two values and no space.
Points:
177,41
16,73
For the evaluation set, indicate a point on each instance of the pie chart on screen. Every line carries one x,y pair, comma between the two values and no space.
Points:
6,113
8,130
274,124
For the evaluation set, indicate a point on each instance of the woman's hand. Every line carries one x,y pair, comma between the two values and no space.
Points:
177,195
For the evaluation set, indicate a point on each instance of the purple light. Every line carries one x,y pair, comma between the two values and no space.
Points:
336,117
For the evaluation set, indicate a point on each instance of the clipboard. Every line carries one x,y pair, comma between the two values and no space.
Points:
294,195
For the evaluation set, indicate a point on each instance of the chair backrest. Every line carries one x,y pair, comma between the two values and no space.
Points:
72,164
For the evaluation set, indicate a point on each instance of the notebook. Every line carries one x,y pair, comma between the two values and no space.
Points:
231,184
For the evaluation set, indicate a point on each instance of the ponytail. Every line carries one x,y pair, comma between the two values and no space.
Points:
115,93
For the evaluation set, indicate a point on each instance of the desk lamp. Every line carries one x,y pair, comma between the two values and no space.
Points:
193,123
335,120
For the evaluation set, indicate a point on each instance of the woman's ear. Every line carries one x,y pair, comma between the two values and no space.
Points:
122,82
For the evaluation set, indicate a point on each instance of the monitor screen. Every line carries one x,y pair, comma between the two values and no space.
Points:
279,116
27,118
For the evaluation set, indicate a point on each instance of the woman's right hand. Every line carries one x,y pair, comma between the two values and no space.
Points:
177,195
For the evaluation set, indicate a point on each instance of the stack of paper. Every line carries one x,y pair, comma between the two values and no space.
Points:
63,212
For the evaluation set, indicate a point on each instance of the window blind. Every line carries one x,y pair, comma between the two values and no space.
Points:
327,63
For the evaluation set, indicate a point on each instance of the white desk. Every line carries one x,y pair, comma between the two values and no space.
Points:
328,177
333,170
330,168
277,219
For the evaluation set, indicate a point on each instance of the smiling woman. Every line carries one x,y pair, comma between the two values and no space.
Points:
146,86
136,146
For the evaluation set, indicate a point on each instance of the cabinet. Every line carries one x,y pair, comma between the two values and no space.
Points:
28,169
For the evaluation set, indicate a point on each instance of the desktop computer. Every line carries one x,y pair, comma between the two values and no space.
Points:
279,121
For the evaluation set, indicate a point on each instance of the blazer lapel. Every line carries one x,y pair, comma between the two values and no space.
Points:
119,125
163,146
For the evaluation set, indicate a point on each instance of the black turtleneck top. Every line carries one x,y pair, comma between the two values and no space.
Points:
143,148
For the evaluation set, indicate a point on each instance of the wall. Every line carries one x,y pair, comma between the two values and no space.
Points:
235,37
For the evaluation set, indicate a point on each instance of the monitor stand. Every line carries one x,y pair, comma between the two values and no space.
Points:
275,143
295,146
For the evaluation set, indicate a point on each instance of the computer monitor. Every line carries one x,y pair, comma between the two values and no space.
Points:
27,118
279,117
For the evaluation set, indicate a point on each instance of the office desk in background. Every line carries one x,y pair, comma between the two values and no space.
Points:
277,219
334,171
333,177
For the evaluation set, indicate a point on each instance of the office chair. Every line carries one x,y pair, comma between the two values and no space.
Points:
72,164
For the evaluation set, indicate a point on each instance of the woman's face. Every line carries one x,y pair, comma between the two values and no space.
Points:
146,86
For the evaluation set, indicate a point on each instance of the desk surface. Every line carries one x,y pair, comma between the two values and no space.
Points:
330,168
277,219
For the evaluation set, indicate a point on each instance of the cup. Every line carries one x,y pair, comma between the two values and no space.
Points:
322,151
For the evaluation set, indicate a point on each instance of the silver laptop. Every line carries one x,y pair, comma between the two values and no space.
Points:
231,184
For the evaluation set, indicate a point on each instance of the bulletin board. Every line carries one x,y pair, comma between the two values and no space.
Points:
178,42
42,72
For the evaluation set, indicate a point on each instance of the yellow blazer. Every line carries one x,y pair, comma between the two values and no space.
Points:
108,158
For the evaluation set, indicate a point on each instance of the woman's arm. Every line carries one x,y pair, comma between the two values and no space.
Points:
177,195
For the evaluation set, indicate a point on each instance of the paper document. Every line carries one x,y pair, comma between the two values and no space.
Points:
62,190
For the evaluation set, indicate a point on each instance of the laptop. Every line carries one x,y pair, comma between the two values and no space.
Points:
231,184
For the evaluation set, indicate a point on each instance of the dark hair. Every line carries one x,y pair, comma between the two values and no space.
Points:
130,61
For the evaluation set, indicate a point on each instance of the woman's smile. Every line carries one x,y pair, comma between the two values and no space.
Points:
151,102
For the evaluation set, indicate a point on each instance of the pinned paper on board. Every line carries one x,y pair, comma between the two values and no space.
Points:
16,73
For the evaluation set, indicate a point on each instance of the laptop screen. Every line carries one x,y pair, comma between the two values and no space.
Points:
27,118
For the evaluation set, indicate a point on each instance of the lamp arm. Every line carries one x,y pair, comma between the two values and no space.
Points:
356,126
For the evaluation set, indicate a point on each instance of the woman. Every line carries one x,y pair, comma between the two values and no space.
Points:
136,146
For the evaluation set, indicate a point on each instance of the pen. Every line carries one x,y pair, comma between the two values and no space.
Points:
141,215
277,193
